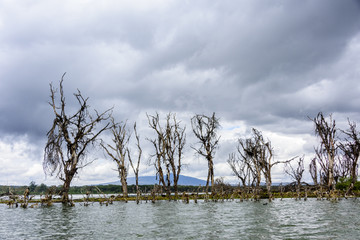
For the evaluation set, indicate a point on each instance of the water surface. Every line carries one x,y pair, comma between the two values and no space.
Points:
286,219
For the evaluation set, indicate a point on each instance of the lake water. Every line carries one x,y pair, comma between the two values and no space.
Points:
286,219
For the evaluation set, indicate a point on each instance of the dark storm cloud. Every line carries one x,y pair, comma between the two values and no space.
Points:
264,64
242,59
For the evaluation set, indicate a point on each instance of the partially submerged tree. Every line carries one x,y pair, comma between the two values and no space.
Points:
135,168
258,155
70,138
205,129
244,167
326,131
169,145
118,151
248,153
265,154
350,148
240,168
296,173
313,171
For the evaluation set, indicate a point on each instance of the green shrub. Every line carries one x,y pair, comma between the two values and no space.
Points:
344,184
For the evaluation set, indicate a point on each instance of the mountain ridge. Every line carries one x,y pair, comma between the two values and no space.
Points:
151,180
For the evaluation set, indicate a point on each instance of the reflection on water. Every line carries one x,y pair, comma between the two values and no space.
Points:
287,219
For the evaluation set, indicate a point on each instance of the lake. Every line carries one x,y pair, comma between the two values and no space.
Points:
286,219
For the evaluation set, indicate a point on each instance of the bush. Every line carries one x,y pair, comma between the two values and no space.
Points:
344,184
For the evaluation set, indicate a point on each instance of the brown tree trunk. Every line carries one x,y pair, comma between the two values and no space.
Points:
65,189
207,183
124,185
211,170
331,185
168,186
137,188
268,187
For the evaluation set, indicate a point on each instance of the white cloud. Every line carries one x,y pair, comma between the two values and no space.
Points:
19,160
263,65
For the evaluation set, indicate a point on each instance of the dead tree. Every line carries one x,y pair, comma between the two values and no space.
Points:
240,163
176,138
350,148
70,138
239,167
248,150
265,157
118,151
321,158
296,173
313,171
342,166
136,168
159,157
169,144
262,157
205,129
326,131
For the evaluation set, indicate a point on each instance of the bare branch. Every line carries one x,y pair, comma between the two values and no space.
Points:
70,136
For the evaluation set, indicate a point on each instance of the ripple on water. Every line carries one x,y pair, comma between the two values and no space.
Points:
286,219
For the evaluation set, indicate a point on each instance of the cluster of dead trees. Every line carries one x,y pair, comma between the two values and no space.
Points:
337,155
254,160
336,158
72,136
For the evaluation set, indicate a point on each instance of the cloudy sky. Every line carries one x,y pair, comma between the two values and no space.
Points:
262,64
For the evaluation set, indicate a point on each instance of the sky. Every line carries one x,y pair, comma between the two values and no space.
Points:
268,65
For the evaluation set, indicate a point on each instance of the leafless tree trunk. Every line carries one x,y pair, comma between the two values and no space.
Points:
326,131
351,152
261,155
205,128
241,164
296,173
177,140
321,157
313,171
265,157
239,168
248,150
136,169
169,145
118,152
70,137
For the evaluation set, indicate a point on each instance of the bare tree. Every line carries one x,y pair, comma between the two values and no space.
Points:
205,129
242,164
343,165
176,142
351,152
70,137
313,171
296,173
169,144
160,151
136,168
265,155
261,154
118,151
248,151
321,157
239,168
326,131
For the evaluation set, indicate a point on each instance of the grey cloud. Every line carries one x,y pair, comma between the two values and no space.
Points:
268,64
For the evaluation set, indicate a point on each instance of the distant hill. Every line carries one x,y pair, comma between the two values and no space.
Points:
151,180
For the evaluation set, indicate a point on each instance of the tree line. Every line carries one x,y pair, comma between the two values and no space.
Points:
71,137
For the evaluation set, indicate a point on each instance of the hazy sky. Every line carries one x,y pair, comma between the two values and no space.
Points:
262,64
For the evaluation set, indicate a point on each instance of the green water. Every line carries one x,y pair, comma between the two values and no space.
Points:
287,219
